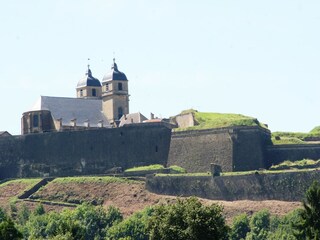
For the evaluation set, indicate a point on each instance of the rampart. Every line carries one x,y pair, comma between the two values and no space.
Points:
233,148
288,186
279,153
84,152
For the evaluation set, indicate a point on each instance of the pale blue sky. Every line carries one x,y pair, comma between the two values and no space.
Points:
258,58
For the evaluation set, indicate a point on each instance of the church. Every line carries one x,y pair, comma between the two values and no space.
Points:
98,104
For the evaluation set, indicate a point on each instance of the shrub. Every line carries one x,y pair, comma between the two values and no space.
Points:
188,219
240,227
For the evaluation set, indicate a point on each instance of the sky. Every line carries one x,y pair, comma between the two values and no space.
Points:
257,58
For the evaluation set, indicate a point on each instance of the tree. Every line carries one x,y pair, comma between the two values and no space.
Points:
132,228
259,225
311,212
240,227
188,219
8,231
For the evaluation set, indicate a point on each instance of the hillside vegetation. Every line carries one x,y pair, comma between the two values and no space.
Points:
296,137
206,120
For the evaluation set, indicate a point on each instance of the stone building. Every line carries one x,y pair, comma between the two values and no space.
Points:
97,105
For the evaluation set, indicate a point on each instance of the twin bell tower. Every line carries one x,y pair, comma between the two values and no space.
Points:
113,91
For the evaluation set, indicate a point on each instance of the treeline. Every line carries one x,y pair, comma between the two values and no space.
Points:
185,219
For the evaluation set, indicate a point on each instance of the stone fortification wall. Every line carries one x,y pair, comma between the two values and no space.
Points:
84,152
249,148
233,148
195,150
279,153
289,186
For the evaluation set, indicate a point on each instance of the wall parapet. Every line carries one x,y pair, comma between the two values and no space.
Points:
289,186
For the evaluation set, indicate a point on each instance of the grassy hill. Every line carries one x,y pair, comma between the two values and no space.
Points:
296,137
206,120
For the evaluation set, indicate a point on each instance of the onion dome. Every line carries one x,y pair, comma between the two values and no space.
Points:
114,74
88,80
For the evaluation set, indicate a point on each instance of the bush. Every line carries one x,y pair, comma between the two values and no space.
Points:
240,227
132,228
188,219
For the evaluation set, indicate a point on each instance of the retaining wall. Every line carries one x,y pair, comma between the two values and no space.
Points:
84,152
279,153
289,186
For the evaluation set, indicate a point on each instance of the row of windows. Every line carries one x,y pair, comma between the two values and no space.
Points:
120,87
94,91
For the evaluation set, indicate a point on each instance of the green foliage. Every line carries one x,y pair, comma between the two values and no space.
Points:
132,228
177,169
85,222
187,219
146,168
297,135
218,120
240,227
39,210
302,164
287,140
315,130
8,231
156,167
259,225
311,212
105,179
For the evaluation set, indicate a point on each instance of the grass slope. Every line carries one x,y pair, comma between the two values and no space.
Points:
205,120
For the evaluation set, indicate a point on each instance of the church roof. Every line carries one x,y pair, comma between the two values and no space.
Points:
67,109
4,134
132,118
88,80
114,74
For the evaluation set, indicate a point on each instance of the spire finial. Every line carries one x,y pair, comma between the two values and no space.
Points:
89,71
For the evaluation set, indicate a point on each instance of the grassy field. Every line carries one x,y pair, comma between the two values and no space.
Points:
102,179
205,120
156,167
302,164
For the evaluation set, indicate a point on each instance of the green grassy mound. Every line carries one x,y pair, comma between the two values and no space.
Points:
205,120
302,164
156,167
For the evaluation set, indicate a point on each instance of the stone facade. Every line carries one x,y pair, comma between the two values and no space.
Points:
86,152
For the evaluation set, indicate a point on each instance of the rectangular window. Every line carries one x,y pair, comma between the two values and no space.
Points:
35,121
120,86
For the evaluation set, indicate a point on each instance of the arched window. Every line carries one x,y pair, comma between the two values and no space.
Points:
35,121
94,92
120,86
81,93
120,112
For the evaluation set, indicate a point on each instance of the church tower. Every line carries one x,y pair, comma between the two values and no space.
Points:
115,96
88,86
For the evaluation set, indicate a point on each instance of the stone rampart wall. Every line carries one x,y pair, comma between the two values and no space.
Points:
84,152
289,186
279,153
233,148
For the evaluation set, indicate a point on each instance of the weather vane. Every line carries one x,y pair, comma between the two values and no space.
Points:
88,63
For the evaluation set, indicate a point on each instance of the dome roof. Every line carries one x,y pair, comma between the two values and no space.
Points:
88,80
114,74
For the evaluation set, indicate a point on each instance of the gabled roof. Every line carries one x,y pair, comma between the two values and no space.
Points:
4,134
132,118
83,110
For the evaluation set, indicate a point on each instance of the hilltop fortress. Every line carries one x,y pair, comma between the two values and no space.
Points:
95,133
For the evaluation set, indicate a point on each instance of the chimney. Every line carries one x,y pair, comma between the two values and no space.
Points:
151,116
100,123
73,122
